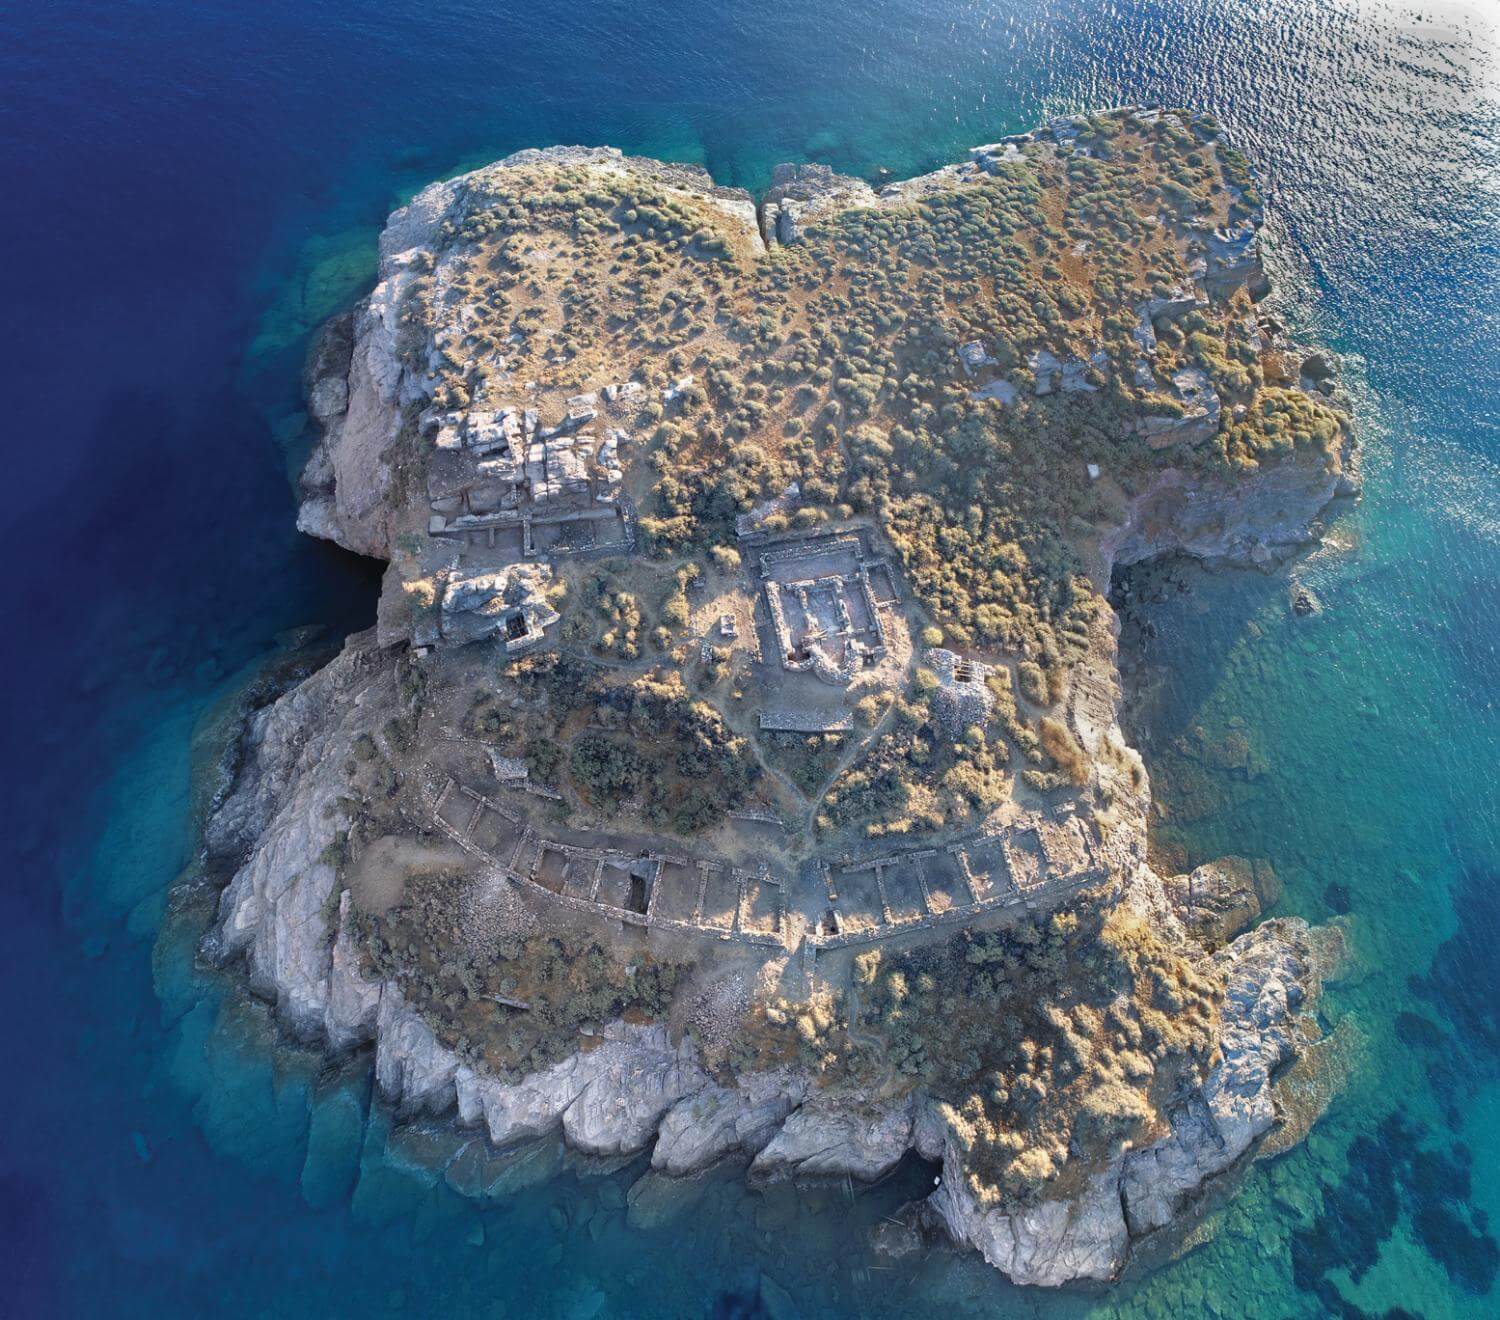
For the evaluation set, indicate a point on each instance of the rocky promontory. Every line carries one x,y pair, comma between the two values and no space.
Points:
734,767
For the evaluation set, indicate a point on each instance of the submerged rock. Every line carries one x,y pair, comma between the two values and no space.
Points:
894,1240
1303,601
656,1199
1219,900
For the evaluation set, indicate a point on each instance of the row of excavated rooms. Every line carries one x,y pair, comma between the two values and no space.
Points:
848,898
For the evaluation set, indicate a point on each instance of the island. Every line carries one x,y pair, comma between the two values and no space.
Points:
733,769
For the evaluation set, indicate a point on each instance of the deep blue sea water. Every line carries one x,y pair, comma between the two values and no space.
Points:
188,188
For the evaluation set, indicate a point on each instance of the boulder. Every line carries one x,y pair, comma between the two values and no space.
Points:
1216,901
1047,1244
1199,419
1234,261
718,1121
1304,601
834,1136
1318,367
329,355
892,1239
929,1133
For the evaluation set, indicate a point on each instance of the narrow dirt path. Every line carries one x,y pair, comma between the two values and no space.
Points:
844,762
869,1041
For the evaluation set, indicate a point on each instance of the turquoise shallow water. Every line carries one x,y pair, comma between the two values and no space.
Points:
203,183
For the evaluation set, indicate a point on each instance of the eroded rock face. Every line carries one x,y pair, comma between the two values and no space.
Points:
608,1100
325,380
1233,259
800,193
414,1070
353,1001
1271,972
717,1121
361,378
347,478
835,1135
1258,521
283,813
623,1102
1219,900
1050,1243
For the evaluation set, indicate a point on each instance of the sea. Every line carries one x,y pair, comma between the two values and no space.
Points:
190,186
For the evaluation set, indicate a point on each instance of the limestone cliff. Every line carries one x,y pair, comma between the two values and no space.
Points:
363,377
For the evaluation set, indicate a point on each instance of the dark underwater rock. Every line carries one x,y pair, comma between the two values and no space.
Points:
1392,1175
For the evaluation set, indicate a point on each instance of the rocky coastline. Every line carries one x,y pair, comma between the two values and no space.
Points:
285,917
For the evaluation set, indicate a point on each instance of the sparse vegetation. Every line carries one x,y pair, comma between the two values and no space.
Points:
833,363
914,777
652,740
471,992
1046,1040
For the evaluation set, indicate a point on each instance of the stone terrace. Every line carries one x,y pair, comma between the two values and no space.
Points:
852,901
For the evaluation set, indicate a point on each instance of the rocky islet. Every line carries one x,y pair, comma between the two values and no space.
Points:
495,459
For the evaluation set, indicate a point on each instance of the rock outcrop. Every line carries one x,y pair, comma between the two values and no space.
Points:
348,475
835,1135
800,193
1274,972
283,816
1255,521
718,1122
362,378
1053,1242
608,1100
1218,900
